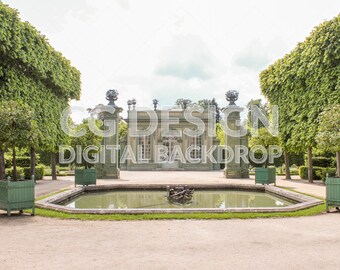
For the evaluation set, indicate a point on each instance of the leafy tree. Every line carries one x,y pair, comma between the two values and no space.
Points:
33,72
123,129
328,136
89,139
218,110
264,139
303,84
264,107
183,103
220,134
205,103
17,128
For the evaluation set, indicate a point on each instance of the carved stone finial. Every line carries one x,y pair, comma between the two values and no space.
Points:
155,103
231,96
129,103
112,96
133,102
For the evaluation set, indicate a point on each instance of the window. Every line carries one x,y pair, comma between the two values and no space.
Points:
144,151
197,142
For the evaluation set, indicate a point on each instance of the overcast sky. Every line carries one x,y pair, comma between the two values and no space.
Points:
173,49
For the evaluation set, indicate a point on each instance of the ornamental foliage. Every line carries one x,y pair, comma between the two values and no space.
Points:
328,137
303,83
34,73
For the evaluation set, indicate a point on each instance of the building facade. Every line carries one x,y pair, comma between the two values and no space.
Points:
168,147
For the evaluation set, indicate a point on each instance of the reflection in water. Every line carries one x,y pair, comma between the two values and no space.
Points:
157,199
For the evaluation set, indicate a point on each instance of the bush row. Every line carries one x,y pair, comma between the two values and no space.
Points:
324,162
319,173
22,161
25,172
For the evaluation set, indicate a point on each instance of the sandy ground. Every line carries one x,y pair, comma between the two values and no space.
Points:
291,243
287,243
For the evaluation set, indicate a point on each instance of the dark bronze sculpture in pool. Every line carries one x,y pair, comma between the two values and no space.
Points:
179,194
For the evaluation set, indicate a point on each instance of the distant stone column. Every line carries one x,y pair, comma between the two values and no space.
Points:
235,168
110,168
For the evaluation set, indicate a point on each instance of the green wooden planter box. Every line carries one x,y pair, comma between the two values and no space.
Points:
265,176
85,177
17,195
332,192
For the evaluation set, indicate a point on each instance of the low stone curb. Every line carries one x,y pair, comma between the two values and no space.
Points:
303,201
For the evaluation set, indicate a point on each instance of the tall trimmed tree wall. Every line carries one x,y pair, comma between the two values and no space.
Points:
303,83
33,72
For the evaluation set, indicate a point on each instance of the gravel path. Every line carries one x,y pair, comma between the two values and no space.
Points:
291,243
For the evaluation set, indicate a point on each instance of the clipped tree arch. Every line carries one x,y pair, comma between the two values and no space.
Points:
34,73
303,83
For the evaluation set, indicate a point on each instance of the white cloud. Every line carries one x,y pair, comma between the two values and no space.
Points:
188,57
204,47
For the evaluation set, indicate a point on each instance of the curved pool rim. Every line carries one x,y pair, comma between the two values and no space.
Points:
301,201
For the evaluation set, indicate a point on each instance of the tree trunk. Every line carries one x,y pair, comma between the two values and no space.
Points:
287,165
14,161
338,163
33,160
2,164
310,165
54,166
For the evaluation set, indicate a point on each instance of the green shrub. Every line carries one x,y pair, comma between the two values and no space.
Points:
303,172
8,163
324,162
294,171
20,172
39,172
23,161
63,169
323,173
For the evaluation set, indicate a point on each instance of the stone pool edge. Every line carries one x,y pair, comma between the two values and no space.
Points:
303,201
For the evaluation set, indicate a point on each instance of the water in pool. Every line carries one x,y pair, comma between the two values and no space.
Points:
157,199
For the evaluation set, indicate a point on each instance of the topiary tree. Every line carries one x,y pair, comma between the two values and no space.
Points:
17,128
303,84
33,72
328,136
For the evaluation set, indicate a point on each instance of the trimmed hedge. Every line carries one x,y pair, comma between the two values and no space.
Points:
39,172
25,48
294,171
317,172
32,71
22,161
323,162
26,172
20,172
323,173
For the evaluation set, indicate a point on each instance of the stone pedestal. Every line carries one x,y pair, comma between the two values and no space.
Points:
235,168
110,168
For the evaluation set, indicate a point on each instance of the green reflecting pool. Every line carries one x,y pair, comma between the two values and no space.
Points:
157,199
